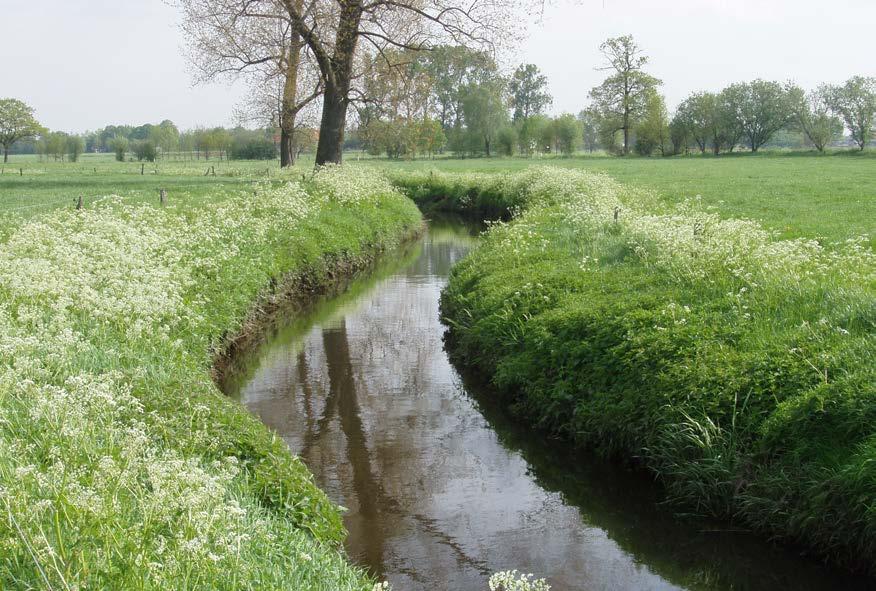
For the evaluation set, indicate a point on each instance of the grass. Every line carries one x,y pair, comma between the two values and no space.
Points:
734,362
29,186
121,464
831,197
736,366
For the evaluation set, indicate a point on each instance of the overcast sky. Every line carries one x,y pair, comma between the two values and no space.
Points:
88,63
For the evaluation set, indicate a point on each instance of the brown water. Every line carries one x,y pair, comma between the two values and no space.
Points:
442,488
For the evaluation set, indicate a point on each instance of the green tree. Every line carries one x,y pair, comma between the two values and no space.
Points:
16,123
622,98
119,145
528,91
855,102
484,112
530,133
760,109
652,132
145,150
812,116
589,123
568,130
165,136
75,146
506,140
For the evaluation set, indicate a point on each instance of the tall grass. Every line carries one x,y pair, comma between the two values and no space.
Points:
737,366
121,465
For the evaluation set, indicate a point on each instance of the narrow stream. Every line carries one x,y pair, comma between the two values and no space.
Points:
442,489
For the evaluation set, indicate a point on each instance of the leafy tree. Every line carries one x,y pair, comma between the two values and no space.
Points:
812,116
145,150
567,130
451,68
430,137
652,132
679,135
119,145
760,109
855,102
165,136
75,147
484,112
16,123
506,140
528,90
589,129
622,98
547,137
695,115
530,133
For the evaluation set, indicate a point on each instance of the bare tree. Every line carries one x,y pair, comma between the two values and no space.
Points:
333,29
255,39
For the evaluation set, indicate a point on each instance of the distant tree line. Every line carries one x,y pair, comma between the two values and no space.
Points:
455,99
20,133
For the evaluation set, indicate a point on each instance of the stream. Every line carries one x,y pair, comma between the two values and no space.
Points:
441,487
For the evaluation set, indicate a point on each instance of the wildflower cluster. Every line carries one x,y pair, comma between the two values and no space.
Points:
616,321
120,464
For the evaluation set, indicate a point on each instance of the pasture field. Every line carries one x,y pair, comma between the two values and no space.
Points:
831,197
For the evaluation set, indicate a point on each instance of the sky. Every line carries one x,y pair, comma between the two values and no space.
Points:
84,64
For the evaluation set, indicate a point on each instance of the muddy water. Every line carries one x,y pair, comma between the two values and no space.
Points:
442,488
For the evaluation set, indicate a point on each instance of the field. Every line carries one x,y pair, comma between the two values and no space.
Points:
831,196
734,358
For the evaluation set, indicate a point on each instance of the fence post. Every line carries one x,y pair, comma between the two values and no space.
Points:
616,214
79,203
162,196
142,169
20,172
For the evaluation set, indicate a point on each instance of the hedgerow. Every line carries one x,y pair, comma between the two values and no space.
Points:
738,367
121,464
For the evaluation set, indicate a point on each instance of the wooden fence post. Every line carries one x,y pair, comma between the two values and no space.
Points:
162,196
142,169
616,214
79,203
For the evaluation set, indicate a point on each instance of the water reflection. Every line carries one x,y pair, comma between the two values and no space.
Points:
441,488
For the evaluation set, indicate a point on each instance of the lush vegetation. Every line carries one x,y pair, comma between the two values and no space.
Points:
737,366
798,195
121,464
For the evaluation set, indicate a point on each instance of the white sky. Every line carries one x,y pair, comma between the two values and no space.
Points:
84,64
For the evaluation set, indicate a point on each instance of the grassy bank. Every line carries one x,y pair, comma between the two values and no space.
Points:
121,465
737,366
830,197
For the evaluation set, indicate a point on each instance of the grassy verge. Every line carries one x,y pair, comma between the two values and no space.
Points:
736,366
121,465
829,197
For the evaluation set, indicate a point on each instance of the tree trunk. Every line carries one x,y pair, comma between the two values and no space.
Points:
287,148
329,150
337,74
289,106
6,154
626,139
